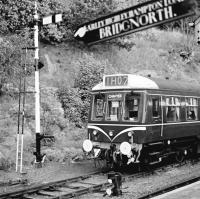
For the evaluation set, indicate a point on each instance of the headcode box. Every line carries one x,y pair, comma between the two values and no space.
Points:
121,80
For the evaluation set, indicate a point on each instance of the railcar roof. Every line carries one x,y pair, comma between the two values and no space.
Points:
139,82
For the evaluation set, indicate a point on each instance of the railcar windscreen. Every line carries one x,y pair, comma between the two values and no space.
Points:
131,107
98,107
116,107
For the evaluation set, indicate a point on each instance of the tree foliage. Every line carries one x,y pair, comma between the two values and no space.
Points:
16,15
76,101
17,22
81,11
12,59
72,105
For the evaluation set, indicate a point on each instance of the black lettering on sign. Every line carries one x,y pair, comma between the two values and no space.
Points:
136,18
116,80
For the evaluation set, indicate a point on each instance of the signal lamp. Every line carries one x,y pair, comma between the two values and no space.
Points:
125,148
110,133
129,133
95,132
87,145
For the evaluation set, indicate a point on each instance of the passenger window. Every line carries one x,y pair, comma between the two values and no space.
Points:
173,109
191,108
155,107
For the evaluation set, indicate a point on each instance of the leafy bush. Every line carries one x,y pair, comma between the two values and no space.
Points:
6,164
76,101
72,104
12,60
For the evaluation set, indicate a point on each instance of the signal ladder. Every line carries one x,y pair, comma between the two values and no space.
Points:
21,117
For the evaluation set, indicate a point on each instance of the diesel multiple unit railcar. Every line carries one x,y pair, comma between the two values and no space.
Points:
136,119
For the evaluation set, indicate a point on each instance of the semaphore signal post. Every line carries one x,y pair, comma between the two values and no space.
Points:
45,20
37,85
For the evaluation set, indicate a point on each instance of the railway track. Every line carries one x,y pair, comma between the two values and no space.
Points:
72,187
13,182
170,188
67,188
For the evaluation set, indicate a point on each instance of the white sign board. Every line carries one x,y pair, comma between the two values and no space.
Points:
52,19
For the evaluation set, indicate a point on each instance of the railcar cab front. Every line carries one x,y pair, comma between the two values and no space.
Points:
118,115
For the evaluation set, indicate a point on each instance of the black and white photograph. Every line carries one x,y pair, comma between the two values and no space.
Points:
100,99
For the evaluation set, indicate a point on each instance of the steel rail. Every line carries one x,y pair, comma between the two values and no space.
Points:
79,192
13,182
47,189
42,186
170,188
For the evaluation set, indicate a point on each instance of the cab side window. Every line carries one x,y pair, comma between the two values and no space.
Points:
155,107
155,104
98,107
